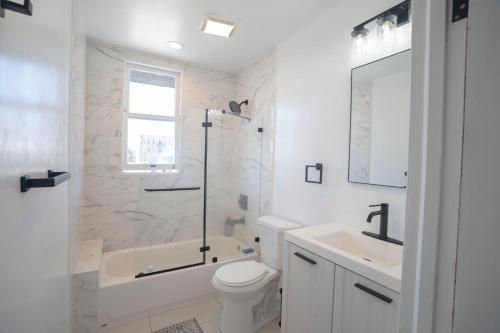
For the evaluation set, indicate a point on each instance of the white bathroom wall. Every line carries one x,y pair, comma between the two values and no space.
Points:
34,103
312,125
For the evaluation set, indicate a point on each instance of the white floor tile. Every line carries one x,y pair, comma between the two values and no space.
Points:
211,327
136,326
204,311
220,299
272,327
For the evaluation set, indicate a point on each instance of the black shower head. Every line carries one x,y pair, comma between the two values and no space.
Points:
236,107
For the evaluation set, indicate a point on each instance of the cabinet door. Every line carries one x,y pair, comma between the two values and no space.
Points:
308,292
362,305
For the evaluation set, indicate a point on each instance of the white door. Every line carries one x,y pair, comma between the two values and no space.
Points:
308,292
363,306
34,89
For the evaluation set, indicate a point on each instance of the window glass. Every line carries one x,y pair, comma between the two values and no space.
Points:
151,99
150,142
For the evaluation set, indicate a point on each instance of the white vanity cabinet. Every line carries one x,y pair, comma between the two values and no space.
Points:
361,305
307,293
320,296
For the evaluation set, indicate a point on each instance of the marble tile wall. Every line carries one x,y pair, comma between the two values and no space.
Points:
252,154
85,287
117,209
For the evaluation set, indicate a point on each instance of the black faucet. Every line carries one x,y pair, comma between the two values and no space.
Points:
384,214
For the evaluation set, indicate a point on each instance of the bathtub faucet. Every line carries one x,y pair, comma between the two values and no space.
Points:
230,223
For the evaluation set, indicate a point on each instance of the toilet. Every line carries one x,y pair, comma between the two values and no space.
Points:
250,288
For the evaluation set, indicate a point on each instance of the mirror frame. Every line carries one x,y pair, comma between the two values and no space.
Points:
350,123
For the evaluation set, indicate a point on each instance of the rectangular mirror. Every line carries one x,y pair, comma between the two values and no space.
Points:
380,121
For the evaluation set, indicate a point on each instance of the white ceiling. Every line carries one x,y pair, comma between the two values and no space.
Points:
149,24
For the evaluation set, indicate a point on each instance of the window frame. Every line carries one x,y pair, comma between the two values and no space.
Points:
176,119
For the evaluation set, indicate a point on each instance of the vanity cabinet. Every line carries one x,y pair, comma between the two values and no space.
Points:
361,305
322,297
308,293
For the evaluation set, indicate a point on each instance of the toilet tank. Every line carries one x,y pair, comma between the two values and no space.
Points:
271,231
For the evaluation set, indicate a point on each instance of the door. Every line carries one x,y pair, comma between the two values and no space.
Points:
34,102
362,305
308,292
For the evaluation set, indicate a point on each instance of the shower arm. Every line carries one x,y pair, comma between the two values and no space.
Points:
237,115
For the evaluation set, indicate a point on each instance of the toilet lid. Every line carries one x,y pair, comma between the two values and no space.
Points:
241,273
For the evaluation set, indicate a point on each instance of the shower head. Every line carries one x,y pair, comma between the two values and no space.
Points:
236,107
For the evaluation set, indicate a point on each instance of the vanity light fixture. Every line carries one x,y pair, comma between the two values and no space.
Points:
386,23
359,32
175,45
218,27
389,19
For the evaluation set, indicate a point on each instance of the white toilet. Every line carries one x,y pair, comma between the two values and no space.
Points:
250,288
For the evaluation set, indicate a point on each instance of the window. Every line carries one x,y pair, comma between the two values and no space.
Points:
151,133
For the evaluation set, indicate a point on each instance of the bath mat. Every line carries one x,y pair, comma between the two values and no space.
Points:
188,326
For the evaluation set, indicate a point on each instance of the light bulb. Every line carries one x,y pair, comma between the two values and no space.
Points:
386,23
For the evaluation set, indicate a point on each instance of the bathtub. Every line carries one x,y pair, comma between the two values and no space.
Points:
122,295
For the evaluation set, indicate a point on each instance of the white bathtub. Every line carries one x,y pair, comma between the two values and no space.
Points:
122,295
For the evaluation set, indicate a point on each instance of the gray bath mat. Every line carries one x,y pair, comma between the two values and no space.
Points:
188,326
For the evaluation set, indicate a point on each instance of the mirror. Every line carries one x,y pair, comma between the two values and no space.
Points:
380,121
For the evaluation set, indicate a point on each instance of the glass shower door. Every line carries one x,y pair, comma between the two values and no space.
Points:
170,228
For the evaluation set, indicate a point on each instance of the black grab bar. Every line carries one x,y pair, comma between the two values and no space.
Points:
172,189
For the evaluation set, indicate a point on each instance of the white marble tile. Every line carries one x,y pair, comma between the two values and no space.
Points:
116,235
90,256
204,311
85,299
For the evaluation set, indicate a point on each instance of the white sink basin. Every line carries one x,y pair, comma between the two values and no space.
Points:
364,247
346,246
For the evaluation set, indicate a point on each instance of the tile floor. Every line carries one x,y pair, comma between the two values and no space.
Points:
207,312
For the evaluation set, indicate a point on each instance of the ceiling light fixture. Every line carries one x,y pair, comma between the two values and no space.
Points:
218,27
393,17
175,45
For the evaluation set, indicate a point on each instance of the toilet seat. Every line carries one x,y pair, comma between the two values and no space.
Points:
240,274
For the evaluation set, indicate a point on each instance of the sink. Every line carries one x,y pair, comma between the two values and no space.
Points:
365,248
347,246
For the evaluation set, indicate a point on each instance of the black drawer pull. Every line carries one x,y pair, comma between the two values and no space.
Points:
373,293
303,257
